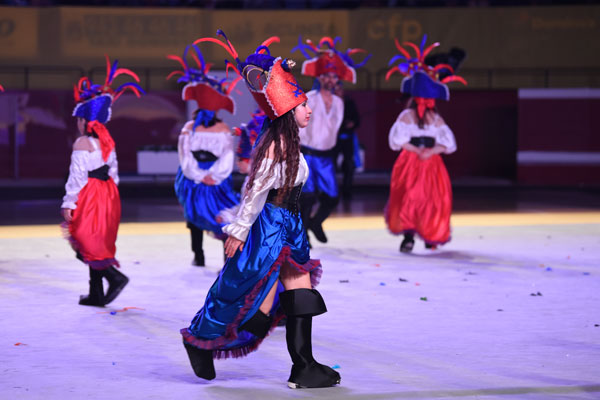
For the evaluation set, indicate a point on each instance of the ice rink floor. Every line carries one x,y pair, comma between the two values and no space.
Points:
509,309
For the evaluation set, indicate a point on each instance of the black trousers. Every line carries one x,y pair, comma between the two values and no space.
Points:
346,148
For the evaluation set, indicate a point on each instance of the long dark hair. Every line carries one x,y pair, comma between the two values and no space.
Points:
421,122
284,132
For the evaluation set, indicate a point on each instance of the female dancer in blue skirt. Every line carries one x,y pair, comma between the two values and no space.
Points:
203,182
267,242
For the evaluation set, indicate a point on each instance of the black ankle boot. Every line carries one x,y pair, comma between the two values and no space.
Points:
198,260
300,305
202,362
116,283
326,206
258,325
317,230
408,243
96,295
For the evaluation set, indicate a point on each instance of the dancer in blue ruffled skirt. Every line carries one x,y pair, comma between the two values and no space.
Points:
267,244
203,183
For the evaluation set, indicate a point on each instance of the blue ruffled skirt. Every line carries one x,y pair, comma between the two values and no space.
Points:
276,238
201,203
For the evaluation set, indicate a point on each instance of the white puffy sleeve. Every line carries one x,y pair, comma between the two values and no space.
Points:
228,215
253,201
78,177
113,170
223,167
187,162
444,136
400,131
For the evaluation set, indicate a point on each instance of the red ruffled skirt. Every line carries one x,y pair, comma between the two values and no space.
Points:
93,229
420,198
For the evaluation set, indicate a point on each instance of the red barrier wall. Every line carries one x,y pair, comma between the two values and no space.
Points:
46,130
490,126
559,140
484,123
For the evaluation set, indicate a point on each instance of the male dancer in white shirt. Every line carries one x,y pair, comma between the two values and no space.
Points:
318,140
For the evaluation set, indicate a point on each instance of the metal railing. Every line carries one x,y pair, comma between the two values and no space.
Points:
481,78
25,73
537,77
145,74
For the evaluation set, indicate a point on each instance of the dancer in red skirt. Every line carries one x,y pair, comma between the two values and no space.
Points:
420,199
91,206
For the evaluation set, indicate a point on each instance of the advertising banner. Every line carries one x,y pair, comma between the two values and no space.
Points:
131,32
18,32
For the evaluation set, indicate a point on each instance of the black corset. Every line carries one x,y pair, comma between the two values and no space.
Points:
422,141
99,173
290,202
203,155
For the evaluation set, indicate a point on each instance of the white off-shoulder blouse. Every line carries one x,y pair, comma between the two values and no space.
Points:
404,128
218,143
255,199
83,161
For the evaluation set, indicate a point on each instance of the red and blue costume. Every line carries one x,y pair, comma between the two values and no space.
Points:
420,199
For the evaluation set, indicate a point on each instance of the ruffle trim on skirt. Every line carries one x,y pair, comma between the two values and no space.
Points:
94,264
231,331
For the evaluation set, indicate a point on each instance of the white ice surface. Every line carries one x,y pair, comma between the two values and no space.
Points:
479,335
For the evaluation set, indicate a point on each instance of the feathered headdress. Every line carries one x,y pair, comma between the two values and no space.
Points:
211,94
422,80
94,102
249,134
269,79
328,59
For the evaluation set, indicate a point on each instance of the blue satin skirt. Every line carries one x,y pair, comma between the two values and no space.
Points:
276,238
321,176
201,203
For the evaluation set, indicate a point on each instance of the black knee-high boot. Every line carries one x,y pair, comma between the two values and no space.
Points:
116,283
300,305
258,325
326,206
202,361
96,295
197,236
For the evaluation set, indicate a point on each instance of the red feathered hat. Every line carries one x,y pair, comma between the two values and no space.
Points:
328,59
207,97
269,79
210,93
